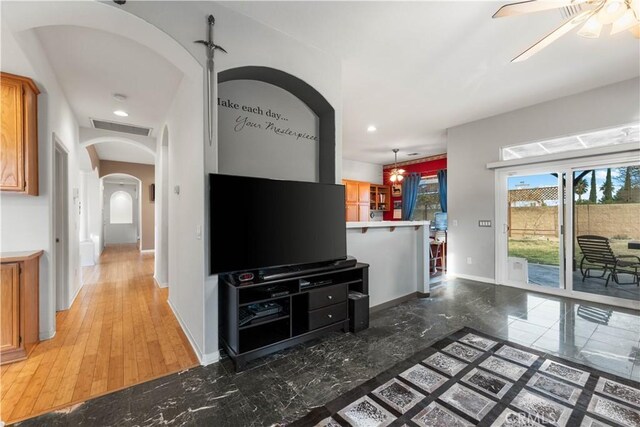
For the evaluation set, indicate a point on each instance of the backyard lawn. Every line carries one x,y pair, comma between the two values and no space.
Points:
539,250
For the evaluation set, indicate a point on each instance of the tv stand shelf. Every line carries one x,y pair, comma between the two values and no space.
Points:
307,313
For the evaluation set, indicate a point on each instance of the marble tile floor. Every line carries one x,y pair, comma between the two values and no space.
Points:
285,386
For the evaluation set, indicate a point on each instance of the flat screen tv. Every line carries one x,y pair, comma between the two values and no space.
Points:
259,223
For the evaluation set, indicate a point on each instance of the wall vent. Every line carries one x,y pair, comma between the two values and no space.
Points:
121,127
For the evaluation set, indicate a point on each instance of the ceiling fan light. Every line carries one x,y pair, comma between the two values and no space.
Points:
393,177
625,22
591,29
400,178
611,11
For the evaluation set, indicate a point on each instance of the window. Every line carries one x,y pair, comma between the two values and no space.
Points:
607,137
428,203
121,208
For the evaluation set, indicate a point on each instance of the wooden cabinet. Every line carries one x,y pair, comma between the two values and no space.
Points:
380,196
357,200
19,304
18,134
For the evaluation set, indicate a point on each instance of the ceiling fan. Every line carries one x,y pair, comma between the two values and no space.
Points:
592,15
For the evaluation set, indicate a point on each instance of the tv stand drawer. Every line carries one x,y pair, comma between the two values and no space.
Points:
328,295
328,315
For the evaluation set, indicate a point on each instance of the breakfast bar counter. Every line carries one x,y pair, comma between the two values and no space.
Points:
398,255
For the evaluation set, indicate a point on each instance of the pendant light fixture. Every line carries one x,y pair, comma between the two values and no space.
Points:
396,174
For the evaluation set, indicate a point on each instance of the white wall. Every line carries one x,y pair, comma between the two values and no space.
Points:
249,112
249,43
186,211
92,208
26,220
161,270
362,171
121,233
471,186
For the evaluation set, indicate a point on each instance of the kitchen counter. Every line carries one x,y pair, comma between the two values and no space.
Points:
398,255
386,224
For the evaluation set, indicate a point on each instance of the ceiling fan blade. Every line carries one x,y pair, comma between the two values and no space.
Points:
554,35
530,6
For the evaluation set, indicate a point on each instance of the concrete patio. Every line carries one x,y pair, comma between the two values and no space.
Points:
548,275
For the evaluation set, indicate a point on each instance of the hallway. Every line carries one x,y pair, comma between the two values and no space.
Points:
120,331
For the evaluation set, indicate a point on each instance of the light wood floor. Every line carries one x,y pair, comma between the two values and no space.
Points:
120,331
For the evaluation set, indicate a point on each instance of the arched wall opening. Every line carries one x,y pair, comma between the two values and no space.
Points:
308,95
26,17
121,191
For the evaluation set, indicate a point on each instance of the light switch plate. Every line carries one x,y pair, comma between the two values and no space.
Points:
484,223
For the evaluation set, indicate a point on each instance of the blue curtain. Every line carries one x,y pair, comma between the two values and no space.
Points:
409,195
442,184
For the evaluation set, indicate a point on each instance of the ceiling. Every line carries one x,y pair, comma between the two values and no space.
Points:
123,152
414,69
92,65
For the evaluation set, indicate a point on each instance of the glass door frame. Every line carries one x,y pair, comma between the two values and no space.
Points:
566,167
502,228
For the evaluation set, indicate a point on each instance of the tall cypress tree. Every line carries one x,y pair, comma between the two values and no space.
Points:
607,188
593,193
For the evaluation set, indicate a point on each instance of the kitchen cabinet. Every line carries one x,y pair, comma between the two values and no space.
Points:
19,299
357,200
19,134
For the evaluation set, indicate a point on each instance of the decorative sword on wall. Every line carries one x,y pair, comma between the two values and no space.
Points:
211,48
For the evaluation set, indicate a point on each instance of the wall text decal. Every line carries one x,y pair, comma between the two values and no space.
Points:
243,122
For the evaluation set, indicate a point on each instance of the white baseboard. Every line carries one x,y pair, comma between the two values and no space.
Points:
202,358
471,277
76,295
147,251
47,335
158,284
209,358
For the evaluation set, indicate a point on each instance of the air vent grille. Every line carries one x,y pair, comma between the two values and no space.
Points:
121,127
571,10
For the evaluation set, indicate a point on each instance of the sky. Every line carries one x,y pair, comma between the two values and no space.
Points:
547,180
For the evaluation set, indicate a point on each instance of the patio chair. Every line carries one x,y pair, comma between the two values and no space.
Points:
596,252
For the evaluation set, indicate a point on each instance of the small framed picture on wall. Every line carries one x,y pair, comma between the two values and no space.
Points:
397,209
396,190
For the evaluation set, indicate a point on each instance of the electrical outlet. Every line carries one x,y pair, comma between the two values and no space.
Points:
469,260
199,232
454,222
484,223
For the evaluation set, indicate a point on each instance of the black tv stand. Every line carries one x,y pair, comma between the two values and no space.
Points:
307,313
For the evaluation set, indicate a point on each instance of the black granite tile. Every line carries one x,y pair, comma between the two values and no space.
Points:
285,386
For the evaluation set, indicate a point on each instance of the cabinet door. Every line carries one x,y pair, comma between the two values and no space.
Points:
351,191
363,192
363,212
351,210
10,307
11,138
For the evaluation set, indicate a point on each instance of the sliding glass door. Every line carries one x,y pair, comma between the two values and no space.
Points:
550,218
533,229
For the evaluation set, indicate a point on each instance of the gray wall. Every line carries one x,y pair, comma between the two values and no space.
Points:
471,186
255,148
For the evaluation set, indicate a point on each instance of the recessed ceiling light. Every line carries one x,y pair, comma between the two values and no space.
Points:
372,128
412,154
121,113
119,97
